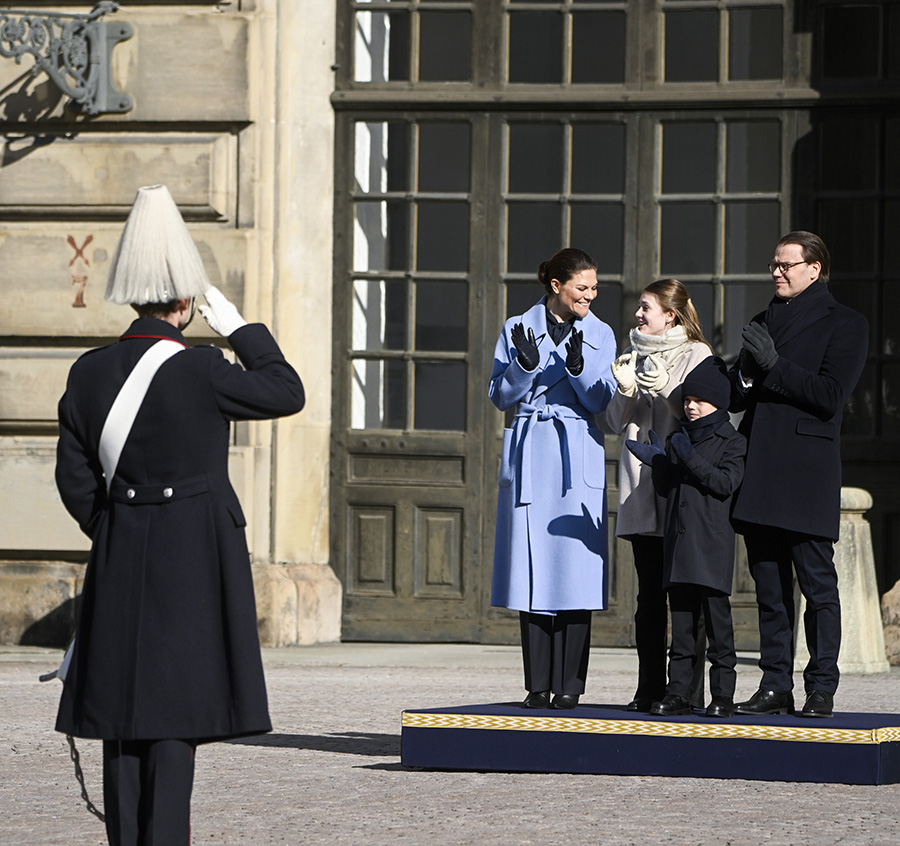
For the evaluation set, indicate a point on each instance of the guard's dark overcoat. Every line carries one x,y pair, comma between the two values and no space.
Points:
699,539
792,420
167,644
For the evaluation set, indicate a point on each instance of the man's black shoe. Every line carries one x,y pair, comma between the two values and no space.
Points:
565,700
766,702
640,703
818,704
671,706
539,699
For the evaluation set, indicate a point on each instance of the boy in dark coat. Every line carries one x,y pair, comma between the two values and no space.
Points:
698,472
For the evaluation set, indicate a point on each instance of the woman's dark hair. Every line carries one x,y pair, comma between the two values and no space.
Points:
161,310
814,249
673,296
563,266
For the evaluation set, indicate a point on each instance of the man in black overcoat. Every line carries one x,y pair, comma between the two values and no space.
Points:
799,363
166,653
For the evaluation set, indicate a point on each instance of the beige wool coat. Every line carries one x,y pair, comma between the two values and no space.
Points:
641,510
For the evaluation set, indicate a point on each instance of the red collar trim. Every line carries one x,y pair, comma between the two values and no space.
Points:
156,337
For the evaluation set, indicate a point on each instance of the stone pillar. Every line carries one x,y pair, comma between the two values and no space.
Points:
862,641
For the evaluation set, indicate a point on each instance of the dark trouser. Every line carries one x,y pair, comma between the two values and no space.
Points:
691,604
771,554
651,622
555,650
147,791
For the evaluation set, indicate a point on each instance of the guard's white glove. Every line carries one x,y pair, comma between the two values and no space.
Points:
654,376
623,371
221,314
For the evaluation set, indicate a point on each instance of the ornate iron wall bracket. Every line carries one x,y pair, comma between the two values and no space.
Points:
74,50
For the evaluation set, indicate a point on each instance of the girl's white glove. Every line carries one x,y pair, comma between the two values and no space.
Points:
221,314
654,376
624,373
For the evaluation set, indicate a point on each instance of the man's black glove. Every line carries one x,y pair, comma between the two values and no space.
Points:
646,452
529,357
748,367
682,446
574,358
758,342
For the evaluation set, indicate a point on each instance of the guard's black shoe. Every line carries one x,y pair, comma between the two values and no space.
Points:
565,700
721,706
818,704
671,706
537,699
765,702
640,703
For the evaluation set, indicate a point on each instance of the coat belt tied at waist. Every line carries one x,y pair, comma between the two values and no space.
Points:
535,414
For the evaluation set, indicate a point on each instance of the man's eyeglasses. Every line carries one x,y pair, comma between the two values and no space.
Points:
783,266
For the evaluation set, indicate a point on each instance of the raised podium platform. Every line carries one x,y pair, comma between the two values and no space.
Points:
849,748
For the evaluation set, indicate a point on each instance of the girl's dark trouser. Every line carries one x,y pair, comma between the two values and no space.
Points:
555,650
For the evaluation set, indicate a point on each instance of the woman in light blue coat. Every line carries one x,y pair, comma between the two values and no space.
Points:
552,364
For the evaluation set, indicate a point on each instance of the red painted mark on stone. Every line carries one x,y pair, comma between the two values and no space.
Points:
80,282
79,251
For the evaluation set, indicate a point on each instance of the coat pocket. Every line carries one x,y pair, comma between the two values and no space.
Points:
593,460
506,459
816,428
237,515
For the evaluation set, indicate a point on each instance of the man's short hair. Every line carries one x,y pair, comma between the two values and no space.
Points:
160,310
814,249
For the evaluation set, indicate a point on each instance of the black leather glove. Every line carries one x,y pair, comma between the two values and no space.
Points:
574,358
758,342
682,446
529,357
646,452
748,367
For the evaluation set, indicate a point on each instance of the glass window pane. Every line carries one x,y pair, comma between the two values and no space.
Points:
741,303
754,43
890,398
440,395
441,316
852,248
608,307
751,232
597,228
535,47
444,153
445,53
382,47
381,235
862,296
378,395
535,158
521,296
442,236
688,158
381,156
598,158
598,47
861,410
892,242
703,298
890,327
687,238
892,162
892,42
850,154
753,156
851,41
379,314
692,46
534,233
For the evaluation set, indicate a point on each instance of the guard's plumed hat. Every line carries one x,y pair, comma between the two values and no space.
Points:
156,260
708,381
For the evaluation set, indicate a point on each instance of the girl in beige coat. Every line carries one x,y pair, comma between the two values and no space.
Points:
666,345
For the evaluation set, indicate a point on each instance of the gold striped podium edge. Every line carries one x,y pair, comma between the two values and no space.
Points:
648,728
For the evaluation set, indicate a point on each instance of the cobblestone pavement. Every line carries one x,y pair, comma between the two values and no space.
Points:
330,771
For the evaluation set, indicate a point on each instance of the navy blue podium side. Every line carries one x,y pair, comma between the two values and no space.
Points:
850,748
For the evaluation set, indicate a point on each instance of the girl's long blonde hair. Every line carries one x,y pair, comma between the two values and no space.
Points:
673,296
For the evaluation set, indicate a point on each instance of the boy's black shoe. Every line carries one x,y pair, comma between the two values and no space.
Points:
818,704
765,702
720,706
671,706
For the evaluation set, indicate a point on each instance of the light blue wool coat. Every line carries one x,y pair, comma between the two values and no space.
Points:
550,550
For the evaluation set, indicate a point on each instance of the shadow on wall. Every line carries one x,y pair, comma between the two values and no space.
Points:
54,629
